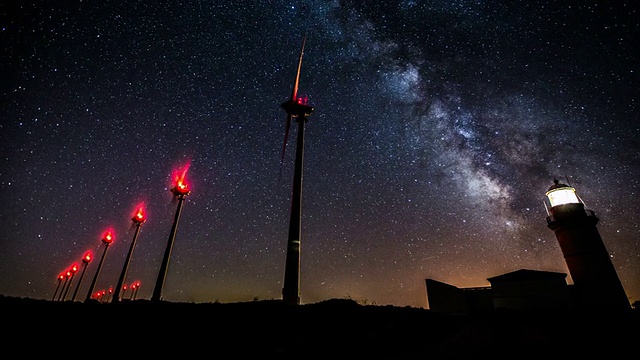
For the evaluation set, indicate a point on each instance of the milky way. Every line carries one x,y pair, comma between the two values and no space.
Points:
438,127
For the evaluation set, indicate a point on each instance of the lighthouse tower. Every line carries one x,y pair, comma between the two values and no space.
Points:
596,283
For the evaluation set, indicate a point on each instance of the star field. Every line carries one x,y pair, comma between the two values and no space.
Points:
437,129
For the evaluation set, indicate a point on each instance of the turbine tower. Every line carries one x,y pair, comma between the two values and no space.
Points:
296,108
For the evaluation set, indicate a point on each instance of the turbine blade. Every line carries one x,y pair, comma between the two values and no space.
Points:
294,93
286,138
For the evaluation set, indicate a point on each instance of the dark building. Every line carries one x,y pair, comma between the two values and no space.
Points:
596,282
521,289
447,298
530,289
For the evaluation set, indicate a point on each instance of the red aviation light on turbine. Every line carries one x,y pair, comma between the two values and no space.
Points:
181,187
74,268
303,100
139,217
87,257
108,237
61,276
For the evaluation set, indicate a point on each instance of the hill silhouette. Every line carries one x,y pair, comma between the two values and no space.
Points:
335,328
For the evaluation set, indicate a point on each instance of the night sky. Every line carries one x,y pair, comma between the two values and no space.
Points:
438,127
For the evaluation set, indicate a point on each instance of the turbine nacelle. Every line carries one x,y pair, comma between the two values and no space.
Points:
298,108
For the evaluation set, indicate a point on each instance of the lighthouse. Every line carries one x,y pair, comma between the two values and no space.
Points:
595,282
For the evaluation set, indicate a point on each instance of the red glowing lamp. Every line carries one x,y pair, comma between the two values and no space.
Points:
303,100
61,277
139,217
74,268
108,237
135,285
87,257
181,187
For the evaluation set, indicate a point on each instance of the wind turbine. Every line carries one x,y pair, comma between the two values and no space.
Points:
299,109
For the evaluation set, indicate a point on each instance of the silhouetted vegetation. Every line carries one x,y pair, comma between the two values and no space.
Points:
335,328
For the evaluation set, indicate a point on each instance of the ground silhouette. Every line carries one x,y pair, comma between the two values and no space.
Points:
335,328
